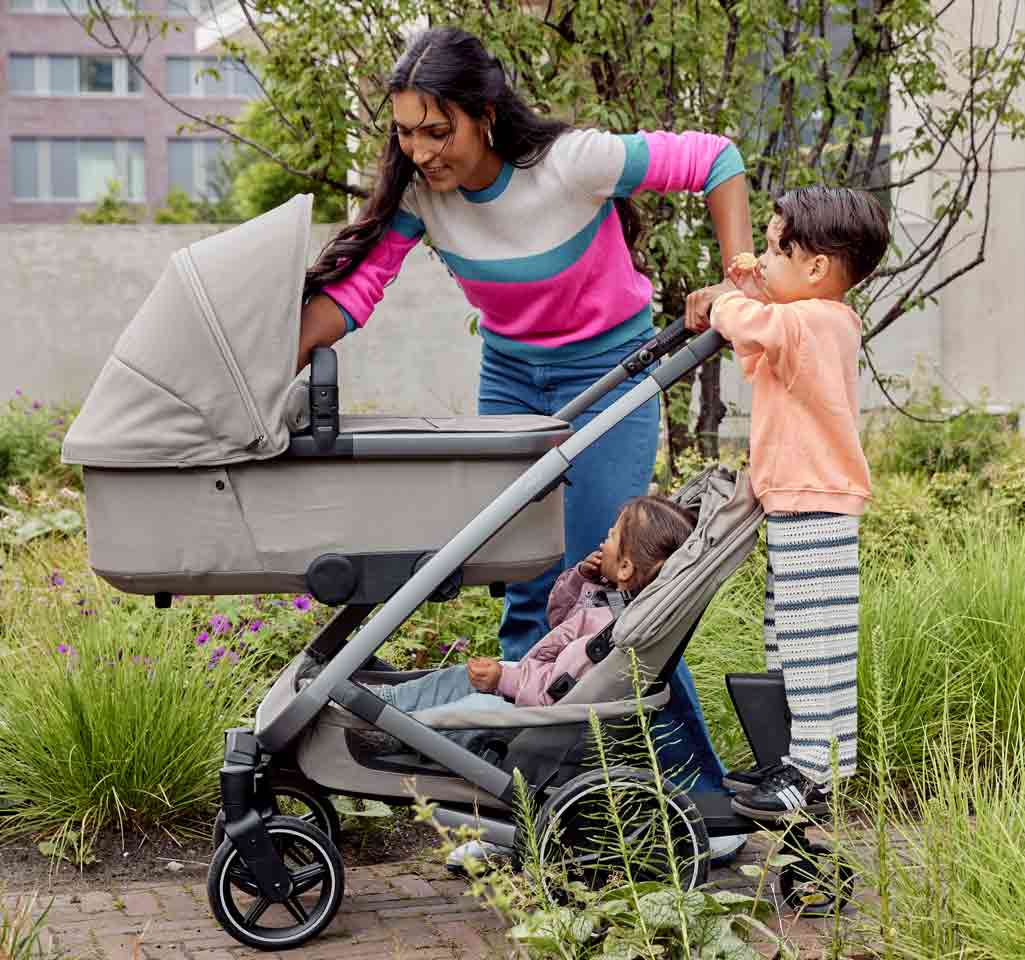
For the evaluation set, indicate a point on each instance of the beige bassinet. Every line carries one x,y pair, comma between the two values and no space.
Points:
199,473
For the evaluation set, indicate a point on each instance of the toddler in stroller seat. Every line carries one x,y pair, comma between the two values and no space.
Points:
198,411
582,604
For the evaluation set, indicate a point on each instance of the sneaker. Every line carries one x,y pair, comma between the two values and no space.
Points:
722,850
744,780
783,794
480,850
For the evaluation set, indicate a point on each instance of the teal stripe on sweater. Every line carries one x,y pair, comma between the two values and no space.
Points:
539,266
727,165
412,228
635,166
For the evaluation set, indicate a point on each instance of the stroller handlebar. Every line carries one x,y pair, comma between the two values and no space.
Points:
667,340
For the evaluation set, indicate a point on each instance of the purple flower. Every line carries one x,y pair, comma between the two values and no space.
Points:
302,602
215,657
63,648
219,623
232,657
18,391
56,580
255,626
58,422
36,405
202,638
137,660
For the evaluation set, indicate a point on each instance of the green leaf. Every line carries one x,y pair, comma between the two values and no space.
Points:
616,949
32,528
751,870
778,860
660,910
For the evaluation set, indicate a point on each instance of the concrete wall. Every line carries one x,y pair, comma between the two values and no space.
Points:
67,292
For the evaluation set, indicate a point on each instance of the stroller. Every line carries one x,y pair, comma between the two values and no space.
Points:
209,469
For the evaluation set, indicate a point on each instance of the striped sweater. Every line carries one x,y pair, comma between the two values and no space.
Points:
540,253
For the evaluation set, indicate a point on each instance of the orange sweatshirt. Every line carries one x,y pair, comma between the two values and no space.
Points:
802,360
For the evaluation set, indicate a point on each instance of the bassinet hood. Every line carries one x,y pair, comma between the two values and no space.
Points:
201,374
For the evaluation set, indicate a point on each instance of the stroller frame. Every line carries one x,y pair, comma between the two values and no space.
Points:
345,660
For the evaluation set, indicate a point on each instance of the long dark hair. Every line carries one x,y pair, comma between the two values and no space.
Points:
452,66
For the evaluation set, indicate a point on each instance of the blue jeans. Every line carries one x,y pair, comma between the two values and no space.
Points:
442,688
602,478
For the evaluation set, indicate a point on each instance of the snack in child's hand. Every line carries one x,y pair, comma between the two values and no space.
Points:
745,261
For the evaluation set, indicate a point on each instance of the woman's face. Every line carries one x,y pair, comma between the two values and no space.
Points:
449,153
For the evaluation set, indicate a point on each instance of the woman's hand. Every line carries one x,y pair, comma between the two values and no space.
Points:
699,305
484,673
321,324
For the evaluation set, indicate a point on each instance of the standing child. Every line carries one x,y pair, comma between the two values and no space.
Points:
797,343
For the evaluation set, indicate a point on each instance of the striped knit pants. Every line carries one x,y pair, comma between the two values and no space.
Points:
811,634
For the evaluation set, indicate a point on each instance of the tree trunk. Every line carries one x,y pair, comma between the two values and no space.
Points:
712,409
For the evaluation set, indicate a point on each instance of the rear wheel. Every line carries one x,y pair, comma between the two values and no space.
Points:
318,882
576,831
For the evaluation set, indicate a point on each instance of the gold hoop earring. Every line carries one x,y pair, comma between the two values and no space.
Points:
491,138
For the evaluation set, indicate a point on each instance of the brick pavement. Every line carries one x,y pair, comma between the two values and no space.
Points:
397,911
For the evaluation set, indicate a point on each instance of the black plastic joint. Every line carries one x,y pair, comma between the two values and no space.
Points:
250,837
237,786
241,747
544,491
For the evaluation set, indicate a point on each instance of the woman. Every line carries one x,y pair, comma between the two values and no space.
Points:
534,221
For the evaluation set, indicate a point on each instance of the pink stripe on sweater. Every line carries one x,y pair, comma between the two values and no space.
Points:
680,161
595,294
363,289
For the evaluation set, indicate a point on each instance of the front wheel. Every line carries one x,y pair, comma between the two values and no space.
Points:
292,795
318,882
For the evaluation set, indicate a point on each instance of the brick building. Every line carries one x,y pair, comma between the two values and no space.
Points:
73,115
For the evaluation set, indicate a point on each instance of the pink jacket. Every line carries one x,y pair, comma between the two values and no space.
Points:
575,618
802,360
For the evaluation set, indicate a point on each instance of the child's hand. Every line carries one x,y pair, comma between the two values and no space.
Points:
745,272
590,567
484,673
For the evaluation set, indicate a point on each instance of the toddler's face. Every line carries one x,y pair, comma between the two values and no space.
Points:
786,276
610,554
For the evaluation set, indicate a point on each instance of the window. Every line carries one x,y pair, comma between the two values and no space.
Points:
21,74
192,77
77,170
60,76
197,167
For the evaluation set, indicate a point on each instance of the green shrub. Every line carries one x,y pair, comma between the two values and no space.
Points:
112,208
954,883
31,434
21,929
970,440
945,632
111,713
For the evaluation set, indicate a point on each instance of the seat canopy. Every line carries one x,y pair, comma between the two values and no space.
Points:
200,376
